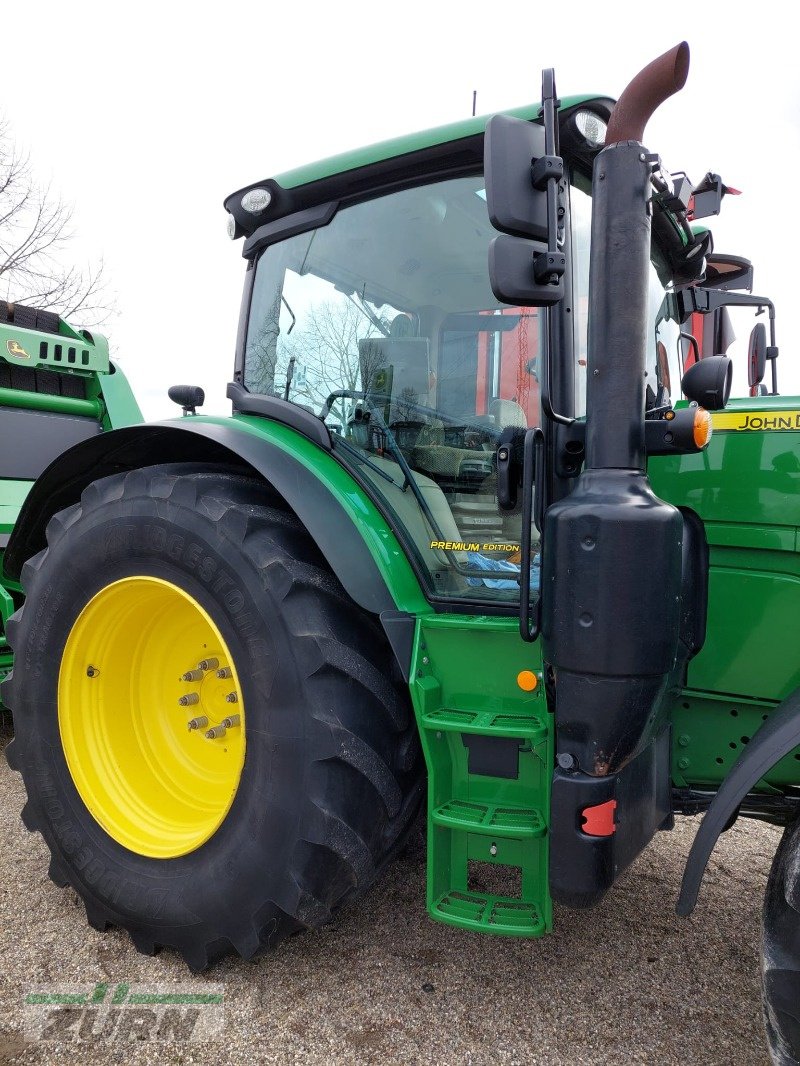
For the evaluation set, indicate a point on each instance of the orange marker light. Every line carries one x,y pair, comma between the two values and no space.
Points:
527,680
702,427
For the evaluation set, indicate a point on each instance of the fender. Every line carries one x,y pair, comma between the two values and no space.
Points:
775,738
196,441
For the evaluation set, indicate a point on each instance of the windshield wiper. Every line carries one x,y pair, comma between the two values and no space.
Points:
285,303
362,307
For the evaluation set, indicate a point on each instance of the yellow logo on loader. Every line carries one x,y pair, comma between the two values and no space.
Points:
16,349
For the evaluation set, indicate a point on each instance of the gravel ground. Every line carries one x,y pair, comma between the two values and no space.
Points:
627,982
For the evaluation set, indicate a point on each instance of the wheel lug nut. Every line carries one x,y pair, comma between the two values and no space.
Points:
231,698
224,671
189,699
231,720
198,723
215,731
192,675
208,664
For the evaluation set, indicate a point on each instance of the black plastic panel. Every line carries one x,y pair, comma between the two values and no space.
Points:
493,756
272,407
582,867
283,228
31,440
43,380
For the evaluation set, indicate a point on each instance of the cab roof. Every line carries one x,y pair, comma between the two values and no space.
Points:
292,189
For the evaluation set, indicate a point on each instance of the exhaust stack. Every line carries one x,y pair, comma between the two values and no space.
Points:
620,256
612,568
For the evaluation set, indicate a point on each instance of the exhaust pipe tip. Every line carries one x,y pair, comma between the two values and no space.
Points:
649,89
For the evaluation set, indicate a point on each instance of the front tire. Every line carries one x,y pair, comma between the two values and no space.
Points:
781,951
204,844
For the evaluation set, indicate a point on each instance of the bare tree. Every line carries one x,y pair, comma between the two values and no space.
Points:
35,229
327,353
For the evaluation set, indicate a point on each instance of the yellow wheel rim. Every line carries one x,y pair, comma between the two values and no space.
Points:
132,727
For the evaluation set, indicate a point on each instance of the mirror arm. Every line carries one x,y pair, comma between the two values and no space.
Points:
547,172
532,478
693,341
772,326
705,300
544,385
551,147
772,351
725,298
550,171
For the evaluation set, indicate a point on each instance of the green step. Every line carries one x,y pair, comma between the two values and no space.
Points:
488,841
490,914
489,723
491,819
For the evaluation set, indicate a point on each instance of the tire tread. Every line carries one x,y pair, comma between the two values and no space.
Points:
340,650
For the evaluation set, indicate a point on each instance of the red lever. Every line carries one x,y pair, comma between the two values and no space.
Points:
598,821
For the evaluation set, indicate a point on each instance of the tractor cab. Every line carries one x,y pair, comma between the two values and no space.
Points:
375,314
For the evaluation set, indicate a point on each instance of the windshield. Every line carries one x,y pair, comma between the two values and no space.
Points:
663,351
384,323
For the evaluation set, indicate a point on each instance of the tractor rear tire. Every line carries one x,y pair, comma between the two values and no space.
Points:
201,844
781,951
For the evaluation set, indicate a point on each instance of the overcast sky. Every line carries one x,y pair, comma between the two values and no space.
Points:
147,115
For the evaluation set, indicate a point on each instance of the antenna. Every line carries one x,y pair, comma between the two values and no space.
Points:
474,101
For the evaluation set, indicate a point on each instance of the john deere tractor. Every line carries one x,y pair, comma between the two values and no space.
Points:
58,388
466,541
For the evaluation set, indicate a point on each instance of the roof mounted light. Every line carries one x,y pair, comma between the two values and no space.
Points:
255,201
591,127
231,227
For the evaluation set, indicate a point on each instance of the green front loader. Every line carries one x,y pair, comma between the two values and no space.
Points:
58,388
466,544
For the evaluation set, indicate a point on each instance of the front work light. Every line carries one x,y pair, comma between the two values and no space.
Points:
255,201
591,127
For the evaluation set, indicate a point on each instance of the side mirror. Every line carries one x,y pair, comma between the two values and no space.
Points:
189,397
708,382
523,173
756,356
515,206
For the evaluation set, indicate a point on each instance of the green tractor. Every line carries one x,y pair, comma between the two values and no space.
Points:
466,540
58,388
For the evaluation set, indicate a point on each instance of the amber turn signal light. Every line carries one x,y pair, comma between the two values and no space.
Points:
702,427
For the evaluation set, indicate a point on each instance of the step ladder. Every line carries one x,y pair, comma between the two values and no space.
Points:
489,750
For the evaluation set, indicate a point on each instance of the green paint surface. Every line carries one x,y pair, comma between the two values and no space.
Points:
413,142
368,523
67,350
746,488
121,408
12,497
487,834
